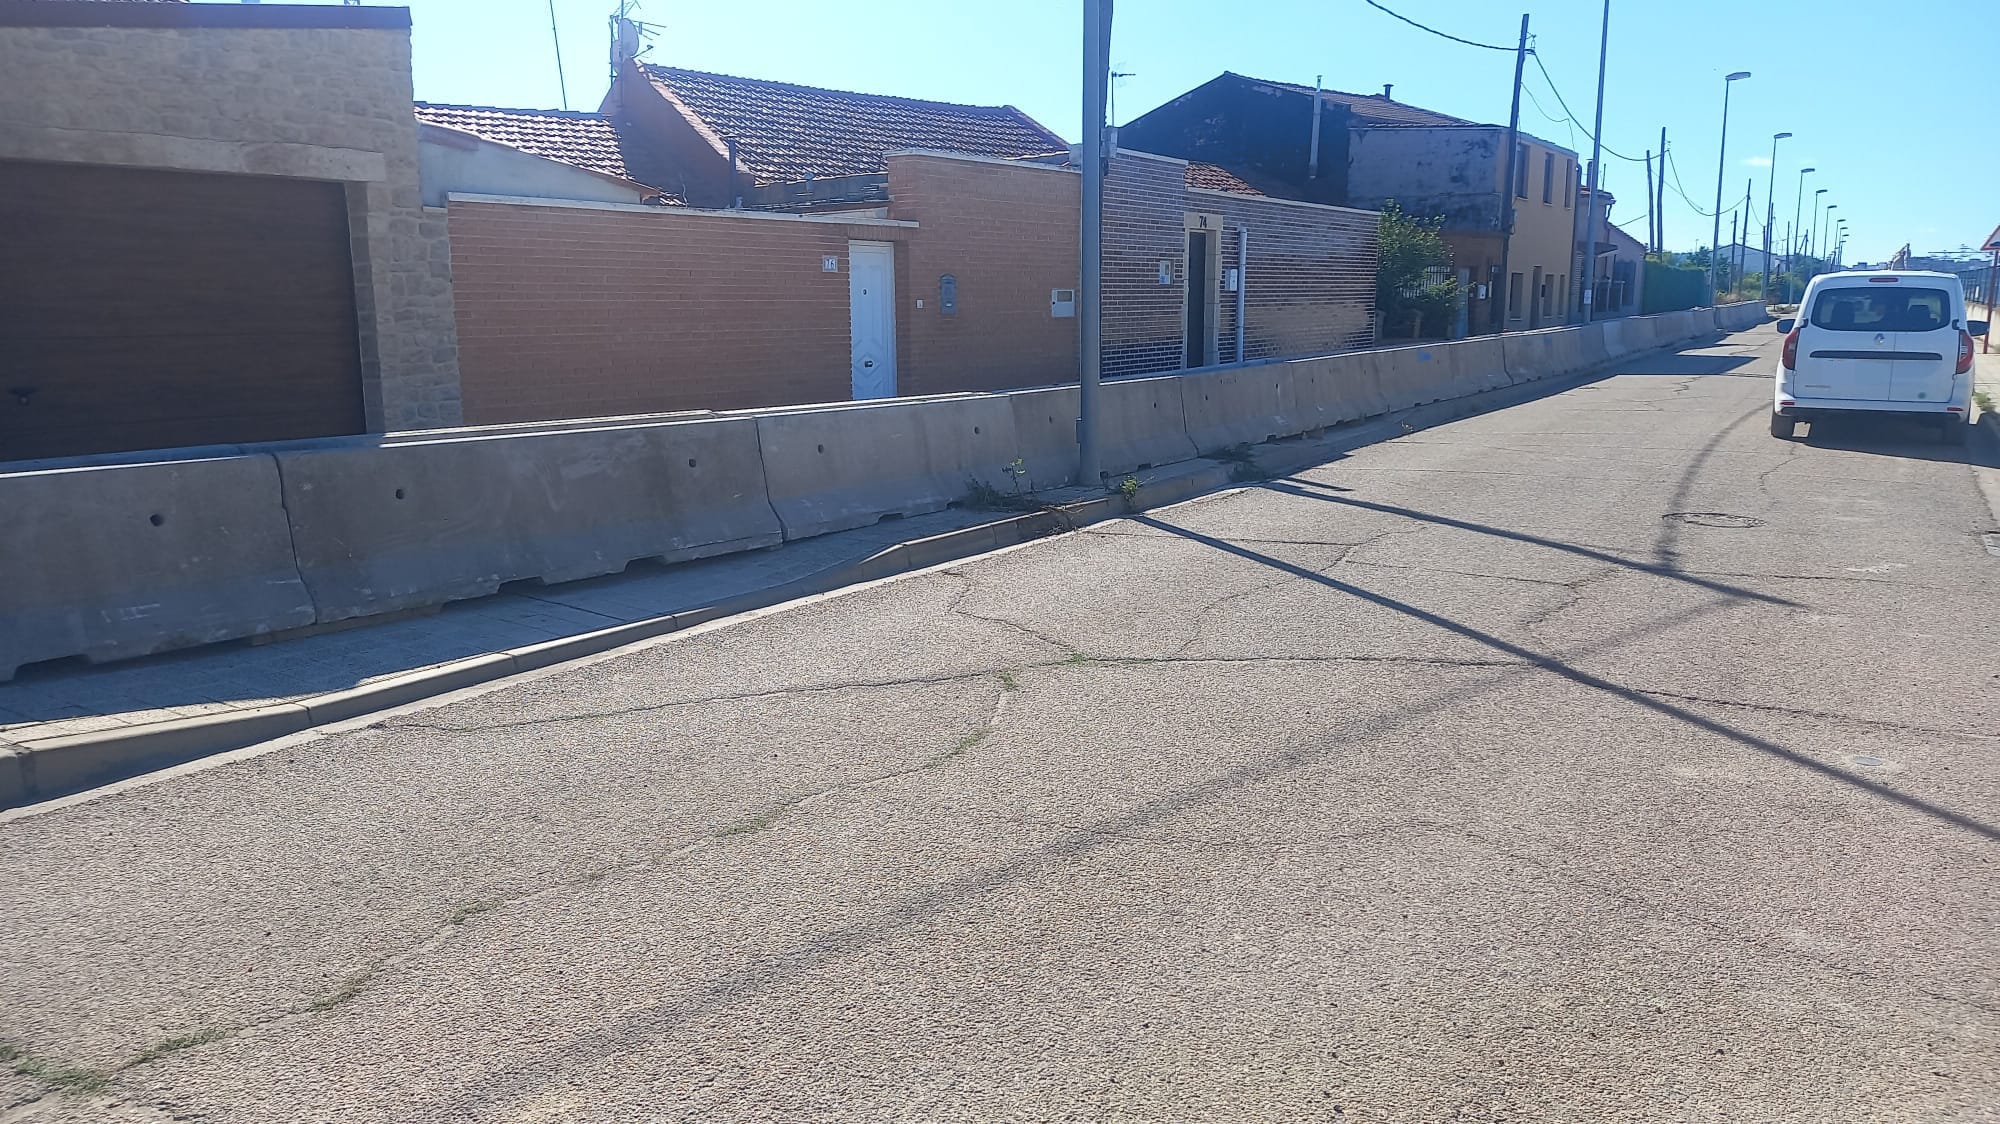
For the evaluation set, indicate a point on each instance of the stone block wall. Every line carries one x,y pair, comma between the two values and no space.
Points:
312,92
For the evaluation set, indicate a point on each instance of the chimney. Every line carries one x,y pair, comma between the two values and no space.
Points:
1386,88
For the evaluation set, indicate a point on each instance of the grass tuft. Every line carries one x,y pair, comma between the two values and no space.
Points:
180,1042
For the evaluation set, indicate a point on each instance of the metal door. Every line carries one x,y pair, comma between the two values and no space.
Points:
871,302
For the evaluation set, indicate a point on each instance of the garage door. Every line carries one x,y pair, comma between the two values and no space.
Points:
145,310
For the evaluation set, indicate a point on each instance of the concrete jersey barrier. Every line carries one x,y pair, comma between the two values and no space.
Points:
127,560
840,467
421,523
142,556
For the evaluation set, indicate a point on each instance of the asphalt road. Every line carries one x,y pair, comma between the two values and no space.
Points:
1598,759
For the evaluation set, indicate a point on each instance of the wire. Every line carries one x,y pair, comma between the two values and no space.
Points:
1608,150
1435,31
1546,115
1682,192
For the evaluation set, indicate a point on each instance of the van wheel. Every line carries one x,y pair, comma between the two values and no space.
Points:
1783,427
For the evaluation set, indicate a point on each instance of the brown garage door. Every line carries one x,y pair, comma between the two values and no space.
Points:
145,310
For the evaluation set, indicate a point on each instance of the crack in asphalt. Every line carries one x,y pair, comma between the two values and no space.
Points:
1825,715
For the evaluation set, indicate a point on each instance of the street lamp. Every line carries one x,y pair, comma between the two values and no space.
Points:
1798,212
1812,240
1721,166
1771,209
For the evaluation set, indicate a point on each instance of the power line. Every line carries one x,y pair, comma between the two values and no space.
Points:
1549,117
1571,116
1433,30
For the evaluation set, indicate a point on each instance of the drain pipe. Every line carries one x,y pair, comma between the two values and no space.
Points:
1242,283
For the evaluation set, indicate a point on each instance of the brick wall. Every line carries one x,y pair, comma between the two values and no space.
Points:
1008,234
1145,208
578,311
1309,285
222,94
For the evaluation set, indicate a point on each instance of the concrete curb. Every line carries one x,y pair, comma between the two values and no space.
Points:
34,770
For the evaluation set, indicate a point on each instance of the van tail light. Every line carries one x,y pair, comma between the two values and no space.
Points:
1791,359
1964,351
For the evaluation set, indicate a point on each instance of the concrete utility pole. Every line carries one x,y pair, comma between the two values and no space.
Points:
1652,216
1596,154
1504,283
1771,211
1721,167
1096,81
1659,202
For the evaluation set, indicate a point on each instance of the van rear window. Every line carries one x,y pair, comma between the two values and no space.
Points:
1882,308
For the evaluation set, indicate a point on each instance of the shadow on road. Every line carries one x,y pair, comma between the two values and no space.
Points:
1293,486
1884,436
1584,678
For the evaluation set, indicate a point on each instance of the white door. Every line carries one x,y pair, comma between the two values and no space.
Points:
871,304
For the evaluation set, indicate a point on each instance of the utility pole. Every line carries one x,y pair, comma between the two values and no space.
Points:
1096,82
1504,283
1771,211
1733,279
1721,168
1659,203
1652,215
1596,154
1742,244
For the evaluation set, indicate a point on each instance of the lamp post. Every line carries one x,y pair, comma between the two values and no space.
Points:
1771,209
1721,166
1792,235
1830,209
1096,85
1812,240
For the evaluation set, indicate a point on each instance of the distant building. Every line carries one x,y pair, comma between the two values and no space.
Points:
1373,150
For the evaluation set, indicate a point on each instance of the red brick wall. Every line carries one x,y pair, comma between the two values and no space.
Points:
566,311
1008,233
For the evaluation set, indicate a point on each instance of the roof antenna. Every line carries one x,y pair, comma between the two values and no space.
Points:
561,84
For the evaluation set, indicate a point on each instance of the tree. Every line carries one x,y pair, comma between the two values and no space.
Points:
1415,290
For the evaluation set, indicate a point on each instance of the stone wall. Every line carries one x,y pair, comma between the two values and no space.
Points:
312,92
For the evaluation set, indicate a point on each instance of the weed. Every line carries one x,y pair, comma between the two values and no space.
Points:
1008,681
348,989
1985,402
981,495
180,1042
470,909
61,1078
9,1053
1129,487
755,823
965,743
1077,658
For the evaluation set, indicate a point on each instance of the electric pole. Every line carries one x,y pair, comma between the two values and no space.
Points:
1596,154
1096,83
1504,283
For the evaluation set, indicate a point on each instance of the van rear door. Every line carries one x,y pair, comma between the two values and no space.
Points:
1848,344
1927,346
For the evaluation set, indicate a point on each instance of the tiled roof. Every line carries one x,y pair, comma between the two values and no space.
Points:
587,140
785,132
1216,178
1374,109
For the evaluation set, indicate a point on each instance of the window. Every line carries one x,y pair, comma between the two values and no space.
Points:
1514,296
1882,308
1548,294
1521,172
1548,177
1562,294
1569,184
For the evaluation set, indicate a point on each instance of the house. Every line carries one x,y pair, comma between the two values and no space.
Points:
1620,277
717,140
1378,150
203,245
525,153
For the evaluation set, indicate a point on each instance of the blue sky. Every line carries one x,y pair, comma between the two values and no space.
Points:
1900,171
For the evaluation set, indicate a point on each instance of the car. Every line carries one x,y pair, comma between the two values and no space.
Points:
1886,342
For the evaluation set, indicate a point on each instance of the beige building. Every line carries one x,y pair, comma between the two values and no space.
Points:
1459,172
214,229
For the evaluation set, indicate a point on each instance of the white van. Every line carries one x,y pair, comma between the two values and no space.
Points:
1887,342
